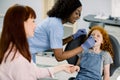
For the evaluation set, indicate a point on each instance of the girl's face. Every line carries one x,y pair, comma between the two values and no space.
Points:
98,37
29,27
75,15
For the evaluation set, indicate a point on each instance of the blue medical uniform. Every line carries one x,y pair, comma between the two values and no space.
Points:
48,35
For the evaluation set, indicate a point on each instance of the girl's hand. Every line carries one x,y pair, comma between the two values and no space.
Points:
74,69
67,67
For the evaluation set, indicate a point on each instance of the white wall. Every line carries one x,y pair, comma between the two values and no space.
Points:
37,5
116,8
94,7
89,7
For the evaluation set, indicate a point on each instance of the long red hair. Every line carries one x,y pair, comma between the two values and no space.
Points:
107,46
13,32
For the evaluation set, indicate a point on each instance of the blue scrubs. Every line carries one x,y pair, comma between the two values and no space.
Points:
48,35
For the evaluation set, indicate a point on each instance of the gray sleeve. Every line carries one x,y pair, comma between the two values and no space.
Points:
107,59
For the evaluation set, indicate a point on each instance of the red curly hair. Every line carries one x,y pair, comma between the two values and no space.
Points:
106,46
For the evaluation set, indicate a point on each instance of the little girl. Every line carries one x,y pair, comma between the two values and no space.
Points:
97,60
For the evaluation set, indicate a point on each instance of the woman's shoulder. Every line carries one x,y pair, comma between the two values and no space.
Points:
52,19
55,20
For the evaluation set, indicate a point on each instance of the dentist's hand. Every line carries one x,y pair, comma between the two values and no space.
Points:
79,33
89,43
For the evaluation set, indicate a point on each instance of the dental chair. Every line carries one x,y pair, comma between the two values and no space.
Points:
95,24
73,44
116,49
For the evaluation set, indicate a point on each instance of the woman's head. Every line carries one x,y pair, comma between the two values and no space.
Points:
64,8
15,29
102,38
16,18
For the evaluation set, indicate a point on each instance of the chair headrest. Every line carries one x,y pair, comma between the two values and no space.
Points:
116,50
96,24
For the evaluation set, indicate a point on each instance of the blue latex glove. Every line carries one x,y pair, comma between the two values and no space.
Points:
79,33
89,43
